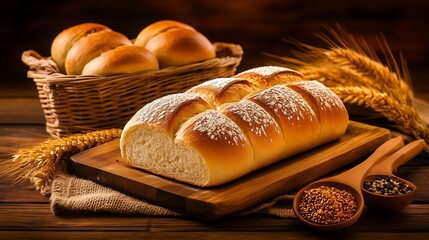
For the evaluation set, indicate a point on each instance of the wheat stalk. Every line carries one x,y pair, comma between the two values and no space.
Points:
40,163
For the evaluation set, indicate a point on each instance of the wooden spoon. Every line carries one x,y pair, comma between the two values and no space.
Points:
351,181
392,203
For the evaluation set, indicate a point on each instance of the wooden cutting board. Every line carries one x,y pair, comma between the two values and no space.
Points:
101,164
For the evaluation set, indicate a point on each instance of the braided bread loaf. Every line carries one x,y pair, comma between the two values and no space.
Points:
225,128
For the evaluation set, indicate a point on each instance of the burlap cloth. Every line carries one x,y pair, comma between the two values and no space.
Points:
71,194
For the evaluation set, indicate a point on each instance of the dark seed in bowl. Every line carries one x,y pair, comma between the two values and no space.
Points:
387,186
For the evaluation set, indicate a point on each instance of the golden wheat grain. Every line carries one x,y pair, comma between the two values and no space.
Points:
405,117
381,77
40,163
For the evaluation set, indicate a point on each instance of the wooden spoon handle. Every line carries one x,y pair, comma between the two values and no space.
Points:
400,157
354,176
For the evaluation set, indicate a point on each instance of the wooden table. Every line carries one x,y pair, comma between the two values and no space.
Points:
25,213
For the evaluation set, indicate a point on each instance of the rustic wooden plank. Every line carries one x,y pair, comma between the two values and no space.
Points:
419,175
19,192
413,218
21,110
15,137
20,132
12,235
100,164
37,217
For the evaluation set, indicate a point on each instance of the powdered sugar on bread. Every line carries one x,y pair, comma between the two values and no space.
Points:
157,110
218,127
268,71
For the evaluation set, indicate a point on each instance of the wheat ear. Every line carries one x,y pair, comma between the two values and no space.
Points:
406,118
40,163
381,77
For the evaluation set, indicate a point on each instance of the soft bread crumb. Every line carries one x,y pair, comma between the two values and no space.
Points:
148,148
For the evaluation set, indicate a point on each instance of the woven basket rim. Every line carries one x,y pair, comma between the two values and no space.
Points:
45,69
62,78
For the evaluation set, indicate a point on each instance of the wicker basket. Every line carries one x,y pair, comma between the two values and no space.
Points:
78,103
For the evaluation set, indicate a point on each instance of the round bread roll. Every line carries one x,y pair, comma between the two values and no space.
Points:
179,46
175,43
90,47
156,28
65,40
124,59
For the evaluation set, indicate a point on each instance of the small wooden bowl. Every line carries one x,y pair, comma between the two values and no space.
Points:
336,226
388,203
392,203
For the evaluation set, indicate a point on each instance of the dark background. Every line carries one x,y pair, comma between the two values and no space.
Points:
258,26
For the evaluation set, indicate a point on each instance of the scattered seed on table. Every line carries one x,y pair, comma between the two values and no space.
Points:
327,205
